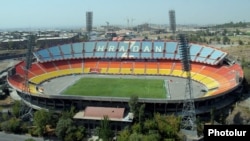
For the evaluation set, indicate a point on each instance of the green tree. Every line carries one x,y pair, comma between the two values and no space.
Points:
150,125
133,105
225,40
240,42
30,139
67,131
135,137
136,128
12,125
123,135
141,117
199,126
237,31
151,137
69,113
218,39
62,127
41,119
168,125
10,44
80,133
105,129
16,108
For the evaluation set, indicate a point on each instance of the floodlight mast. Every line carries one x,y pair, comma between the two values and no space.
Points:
172,21
25,110
188,122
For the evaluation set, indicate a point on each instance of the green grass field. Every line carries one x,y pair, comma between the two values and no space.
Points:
118,87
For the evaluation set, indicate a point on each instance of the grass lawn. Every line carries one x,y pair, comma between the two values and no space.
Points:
118,87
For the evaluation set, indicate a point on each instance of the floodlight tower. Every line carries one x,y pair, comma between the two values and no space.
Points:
26,110
28,61
172,21
188,123
89,21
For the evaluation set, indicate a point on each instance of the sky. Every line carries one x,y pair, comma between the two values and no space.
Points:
72,13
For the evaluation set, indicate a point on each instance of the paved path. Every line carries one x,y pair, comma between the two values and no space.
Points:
15,137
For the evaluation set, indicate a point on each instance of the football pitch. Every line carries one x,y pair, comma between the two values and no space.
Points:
117,87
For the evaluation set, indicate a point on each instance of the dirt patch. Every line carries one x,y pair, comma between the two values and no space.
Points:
7,101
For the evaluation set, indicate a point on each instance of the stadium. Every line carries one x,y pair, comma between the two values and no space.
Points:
108,73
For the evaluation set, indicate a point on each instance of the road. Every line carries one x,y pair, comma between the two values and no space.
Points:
15,137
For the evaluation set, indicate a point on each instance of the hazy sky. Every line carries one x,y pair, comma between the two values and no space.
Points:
71,13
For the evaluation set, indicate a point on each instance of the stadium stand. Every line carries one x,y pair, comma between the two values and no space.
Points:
194,51
66,51
139,67
89,48
43,55
37,69
62,64
55,53
130,57
76,66
20,68
48,66
17,81
77,49
126,67
32,89
152,68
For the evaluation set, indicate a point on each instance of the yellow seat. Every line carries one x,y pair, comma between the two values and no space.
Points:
113,70
177,73
151,71
139,71
32,89
77,70
164,71
126,71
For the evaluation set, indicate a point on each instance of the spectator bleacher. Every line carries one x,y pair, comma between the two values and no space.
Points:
148,57
66,51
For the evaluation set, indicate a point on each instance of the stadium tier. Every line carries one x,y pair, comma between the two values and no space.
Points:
133,58
132,49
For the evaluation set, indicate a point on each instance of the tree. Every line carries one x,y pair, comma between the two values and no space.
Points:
225,40
41,119
105,131
10,44
62,126
12,125
67,131
150,125
237,31
218,39
124,135
80,133
141,117
168,125
240,42
30,140
16,108
151,137
133,105
69,113
135,137
200,128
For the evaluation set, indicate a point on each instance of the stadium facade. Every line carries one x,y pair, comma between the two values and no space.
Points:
211,68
